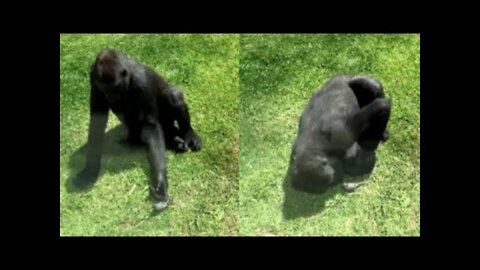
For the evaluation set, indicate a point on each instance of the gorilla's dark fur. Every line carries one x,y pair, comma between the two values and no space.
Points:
339,132
147,105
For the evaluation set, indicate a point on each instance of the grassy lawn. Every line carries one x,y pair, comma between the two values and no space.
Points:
278,74
203,186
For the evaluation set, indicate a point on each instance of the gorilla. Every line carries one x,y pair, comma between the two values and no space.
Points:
148,106
338,133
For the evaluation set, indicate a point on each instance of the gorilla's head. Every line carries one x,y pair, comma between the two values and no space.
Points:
315,174
109,71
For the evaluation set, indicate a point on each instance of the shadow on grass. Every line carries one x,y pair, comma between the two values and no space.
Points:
297,204
114,145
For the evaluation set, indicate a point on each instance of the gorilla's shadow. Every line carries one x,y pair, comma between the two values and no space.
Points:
298,204
114,145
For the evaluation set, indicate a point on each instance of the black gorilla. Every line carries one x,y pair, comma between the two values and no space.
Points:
147,105
339,132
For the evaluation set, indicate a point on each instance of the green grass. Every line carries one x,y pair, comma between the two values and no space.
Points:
203,185
278,74
245,94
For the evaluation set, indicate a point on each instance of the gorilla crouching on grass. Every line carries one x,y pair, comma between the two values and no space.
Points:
339,132
148,106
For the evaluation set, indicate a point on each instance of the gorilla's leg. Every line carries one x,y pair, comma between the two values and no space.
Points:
173,138
176,142
189,136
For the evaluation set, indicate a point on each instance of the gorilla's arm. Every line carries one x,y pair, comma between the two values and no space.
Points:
369,124
96,131
153,136
366,89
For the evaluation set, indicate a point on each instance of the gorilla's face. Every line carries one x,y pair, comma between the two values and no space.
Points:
111,75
